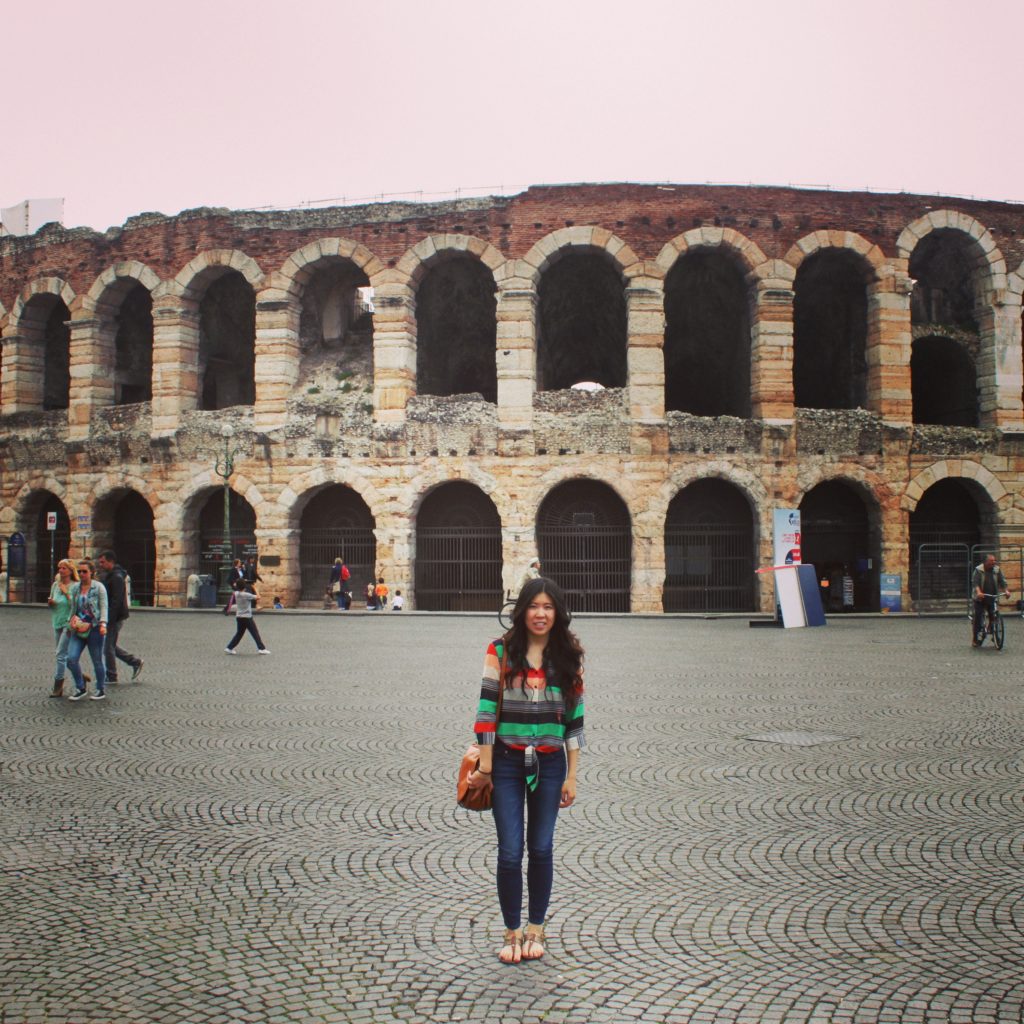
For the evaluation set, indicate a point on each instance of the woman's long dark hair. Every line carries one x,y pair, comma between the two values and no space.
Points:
563,655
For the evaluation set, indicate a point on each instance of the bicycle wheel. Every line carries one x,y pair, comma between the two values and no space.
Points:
998,631
505,615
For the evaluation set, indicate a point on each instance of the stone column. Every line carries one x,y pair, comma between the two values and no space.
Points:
92,371
771,342
647,590
518,549
889,341
22,381
175,361
176,557
517,364
277,359
645,365
395,556
394,348
1000,377
285,578
895,546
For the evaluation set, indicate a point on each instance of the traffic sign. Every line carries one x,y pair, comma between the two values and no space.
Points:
51,520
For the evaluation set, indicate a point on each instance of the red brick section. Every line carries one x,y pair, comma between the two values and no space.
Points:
644,216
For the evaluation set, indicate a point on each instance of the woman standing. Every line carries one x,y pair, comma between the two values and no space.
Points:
60,611
87,627
529,752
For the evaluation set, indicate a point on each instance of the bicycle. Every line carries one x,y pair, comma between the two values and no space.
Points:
505,612
994,625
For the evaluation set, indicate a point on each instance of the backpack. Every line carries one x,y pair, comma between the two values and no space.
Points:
345,574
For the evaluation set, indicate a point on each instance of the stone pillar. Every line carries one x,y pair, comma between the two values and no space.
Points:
277,359
645,328
176,557
647,590
22,381
516,358
889,341
394,349
175,361
1000,372
285,578
92,371
771,343
895,546
518,549
395,556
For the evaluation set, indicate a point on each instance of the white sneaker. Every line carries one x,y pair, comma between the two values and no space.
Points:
228,650
263,651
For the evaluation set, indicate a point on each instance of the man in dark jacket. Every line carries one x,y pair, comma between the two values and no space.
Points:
117,612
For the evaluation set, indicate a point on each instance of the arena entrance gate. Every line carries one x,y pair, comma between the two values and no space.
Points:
336,523
458,551
585,545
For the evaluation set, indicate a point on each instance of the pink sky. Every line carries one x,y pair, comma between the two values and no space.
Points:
125,107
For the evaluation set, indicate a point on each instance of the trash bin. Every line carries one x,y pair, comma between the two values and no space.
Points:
207,592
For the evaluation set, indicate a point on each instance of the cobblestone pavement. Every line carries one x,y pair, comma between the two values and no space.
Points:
809,825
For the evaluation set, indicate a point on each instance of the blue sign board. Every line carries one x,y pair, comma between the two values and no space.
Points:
889,592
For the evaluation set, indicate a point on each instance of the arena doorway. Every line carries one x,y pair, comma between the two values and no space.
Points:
123,521
336,523
709,550
458,551
585,545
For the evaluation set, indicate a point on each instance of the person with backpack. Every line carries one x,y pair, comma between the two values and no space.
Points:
116,582
340,576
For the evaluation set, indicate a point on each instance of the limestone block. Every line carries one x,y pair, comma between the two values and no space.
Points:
645,322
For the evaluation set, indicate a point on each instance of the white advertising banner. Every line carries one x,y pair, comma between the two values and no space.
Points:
787,536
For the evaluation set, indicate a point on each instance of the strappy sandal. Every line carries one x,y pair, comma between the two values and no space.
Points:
533,942
512,951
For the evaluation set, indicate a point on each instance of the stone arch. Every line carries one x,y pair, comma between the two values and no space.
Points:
972,473
300,489
124,519
986,254
39,286
110,286
298,269
32,486
37,496
746,252
554,246
751,485
870,255
37,360
195,277
427,252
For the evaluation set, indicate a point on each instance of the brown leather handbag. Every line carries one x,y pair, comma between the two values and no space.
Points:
479,799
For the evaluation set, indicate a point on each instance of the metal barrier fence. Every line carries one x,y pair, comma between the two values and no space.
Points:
591,563
458,569
709,568
319,546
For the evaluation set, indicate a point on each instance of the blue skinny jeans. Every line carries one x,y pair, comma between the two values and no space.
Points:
76,645
509,799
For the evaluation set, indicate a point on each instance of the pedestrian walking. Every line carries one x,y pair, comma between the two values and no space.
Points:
87,627
530,742
115,580
246,600
60,612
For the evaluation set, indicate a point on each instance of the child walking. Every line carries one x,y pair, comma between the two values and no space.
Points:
246,600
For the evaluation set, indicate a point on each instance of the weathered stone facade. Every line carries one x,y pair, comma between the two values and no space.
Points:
263,320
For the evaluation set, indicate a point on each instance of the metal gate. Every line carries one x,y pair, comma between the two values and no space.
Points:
458,568
136,551
590,562
709,567
942,574
319,546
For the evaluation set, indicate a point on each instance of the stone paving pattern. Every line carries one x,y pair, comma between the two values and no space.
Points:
275,839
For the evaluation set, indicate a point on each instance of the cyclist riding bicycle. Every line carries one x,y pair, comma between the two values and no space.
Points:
987,581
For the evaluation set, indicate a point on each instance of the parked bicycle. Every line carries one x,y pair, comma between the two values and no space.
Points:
505,612
995,628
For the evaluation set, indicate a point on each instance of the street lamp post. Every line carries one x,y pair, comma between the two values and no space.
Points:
224,467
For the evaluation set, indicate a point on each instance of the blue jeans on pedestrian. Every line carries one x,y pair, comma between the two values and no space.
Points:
61,639
509,797
76,645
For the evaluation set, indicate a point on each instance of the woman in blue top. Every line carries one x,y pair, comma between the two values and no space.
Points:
88,609
528,753
60,611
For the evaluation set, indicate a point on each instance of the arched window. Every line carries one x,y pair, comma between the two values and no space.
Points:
584,540
456,330
709,550
133,348
458,550
707,336
581,330
336,523
227,343
943,382
830,331
840,537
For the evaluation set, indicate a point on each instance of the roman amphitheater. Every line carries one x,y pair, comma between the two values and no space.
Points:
397,384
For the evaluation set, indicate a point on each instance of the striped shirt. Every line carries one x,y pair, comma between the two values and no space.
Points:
533,714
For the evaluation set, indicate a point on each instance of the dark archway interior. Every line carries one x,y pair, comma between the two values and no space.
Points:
57,367
584,540
134,543
944,527
830,317
227,343
581,318
47,554
943,383
709,550
337,523
456,330
707,337
216,552
332,306
133,348
838,539
458,550
943,273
